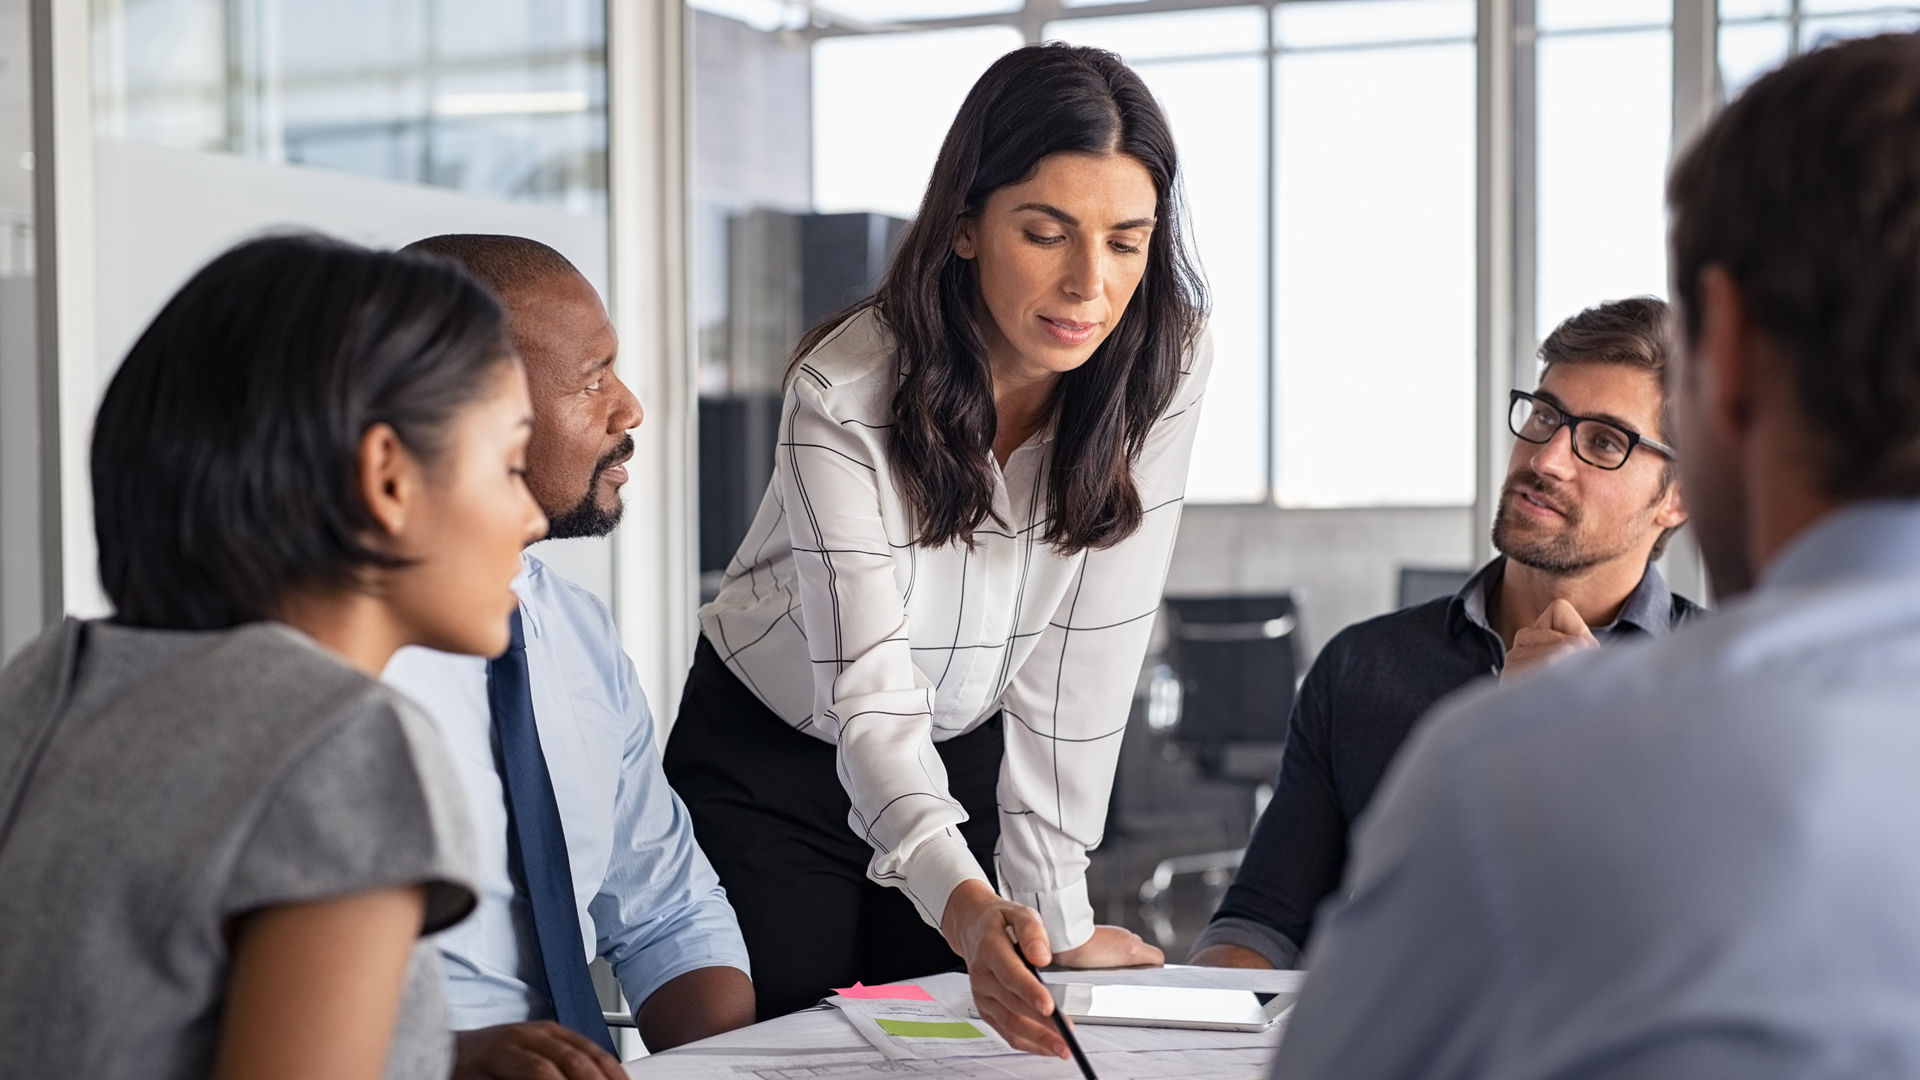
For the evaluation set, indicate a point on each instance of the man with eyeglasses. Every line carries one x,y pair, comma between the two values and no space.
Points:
1589,502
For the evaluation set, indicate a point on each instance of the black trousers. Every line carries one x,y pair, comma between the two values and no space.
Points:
770,813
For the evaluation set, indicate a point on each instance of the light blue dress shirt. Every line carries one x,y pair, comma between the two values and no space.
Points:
648,899
1691,858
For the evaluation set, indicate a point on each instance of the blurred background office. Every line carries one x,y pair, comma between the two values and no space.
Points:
1393,201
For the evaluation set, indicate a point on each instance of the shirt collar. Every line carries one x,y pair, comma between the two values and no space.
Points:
1469,606
522,586
1874,539
1648,608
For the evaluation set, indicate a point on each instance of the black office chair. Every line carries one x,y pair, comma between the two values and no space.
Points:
1419,584
1236,660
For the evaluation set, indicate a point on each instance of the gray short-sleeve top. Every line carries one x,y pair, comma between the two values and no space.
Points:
154,786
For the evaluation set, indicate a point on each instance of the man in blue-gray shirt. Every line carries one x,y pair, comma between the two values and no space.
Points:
1696,858
584,849
1589,501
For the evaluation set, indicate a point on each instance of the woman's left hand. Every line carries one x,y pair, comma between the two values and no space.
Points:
1110,947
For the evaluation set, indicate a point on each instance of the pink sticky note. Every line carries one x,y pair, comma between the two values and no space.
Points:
896,992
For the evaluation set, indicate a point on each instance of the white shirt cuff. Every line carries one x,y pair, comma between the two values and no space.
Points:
934,870
1066,911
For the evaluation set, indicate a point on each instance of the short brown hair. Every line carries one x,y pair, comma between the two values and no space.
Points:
1807,191
1632,333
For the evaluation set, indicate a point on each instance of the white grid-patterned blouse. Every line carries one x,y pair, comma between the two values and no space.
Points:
842,626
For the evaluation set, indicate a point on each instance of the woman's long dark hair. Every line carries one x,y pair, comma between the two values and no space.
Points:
1032,103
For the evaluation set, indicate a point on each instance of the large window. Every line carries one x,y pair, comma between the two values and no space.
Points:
1195,62
1315,182
1373,295
881,105
1330,154
1757,35
1604,107
1319,185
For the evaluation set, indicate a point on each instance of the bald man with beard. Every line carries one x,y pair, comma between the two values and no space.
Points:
585,849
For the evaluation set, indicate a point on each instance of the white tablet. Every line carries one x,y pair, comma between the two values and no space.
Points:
1171,1006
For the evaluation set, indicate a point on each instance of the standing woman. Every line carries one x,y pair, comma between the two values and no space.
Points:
918,670
222,839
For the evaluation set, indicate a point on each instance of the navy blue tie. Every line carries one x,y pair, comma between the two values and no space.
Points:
537,843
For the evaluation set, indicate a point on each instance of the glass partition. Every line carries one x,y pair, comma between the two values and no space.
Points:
502,98
22,598
380,121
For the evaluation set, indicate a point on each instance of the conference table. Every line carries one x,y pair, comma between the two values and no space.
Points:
822,1043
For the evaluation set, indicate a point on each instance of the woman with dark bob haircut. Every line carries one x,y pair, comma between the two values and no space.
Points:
221,838
915,677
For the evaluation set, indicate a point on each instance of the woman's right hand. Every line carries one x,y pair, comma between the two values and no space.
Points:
1009,997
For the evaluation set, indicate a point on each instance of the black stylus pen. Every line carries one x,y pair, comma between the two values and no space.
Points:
1059,1020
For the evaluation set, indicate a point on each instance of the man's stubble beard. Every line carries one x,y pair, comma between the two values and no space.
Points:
1560,554
588,517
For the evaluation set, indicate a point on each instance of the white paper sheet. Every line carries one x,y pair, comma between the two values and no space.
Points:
819,1036
865,1014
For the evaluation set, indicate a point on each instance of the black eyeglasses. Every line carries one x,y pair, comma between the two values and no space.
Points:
1602,444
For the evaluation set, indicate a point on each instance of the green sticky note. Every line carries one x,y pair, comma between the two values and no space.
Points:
929,1029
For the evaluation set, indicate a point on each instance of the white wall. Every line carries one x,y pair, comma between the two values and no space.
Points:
1342,564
